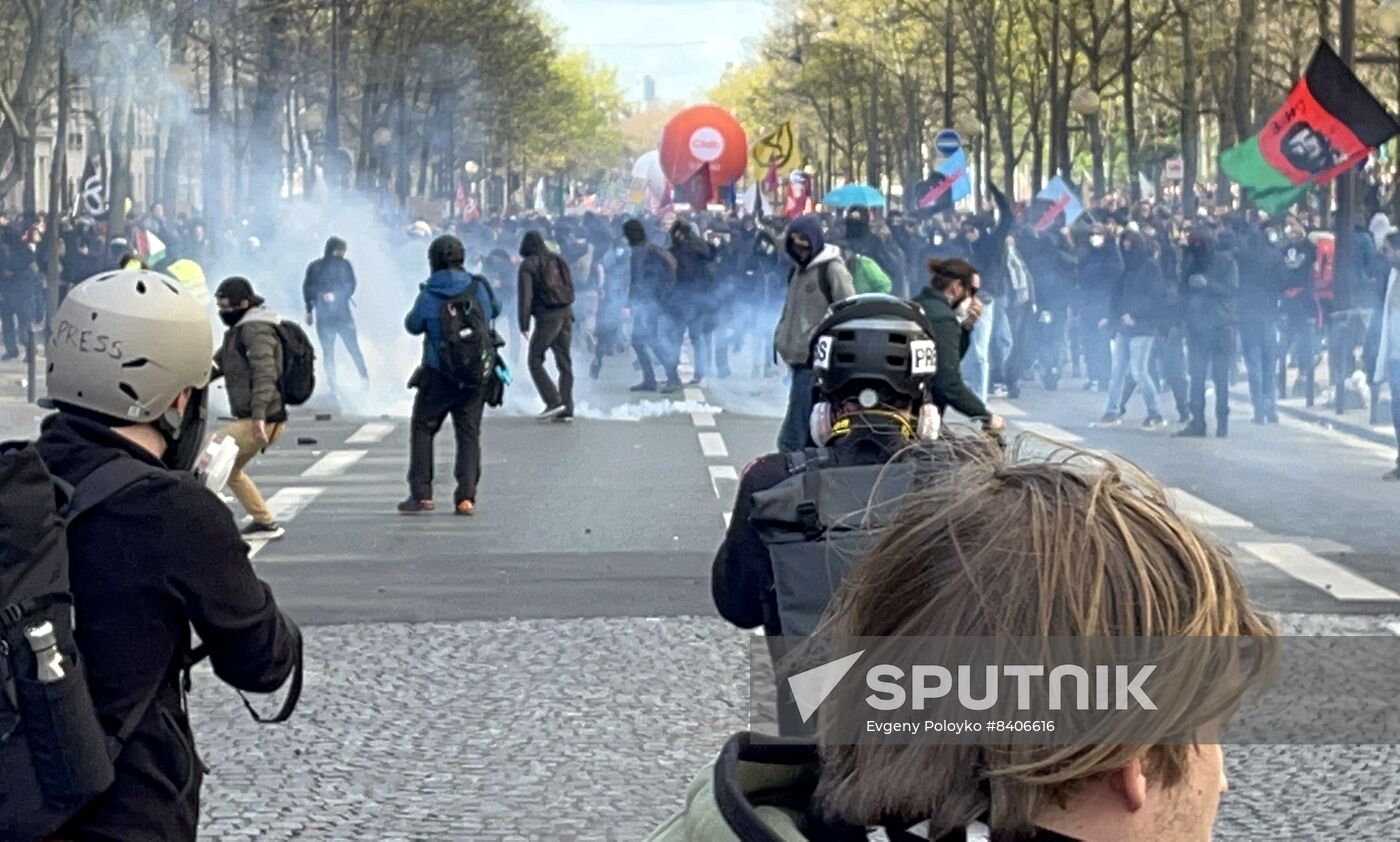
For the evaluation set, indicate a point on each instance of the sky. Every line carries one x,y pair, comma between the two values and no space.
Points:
683,44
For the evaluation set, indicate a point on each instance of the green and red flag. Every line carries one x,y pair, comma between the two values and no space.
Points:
1328,124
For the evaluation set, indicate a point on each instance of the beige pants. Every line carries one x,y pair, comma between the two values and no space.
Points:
241,431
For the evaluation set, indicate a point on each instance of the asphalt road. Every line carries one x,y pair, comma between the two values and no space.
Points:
552,668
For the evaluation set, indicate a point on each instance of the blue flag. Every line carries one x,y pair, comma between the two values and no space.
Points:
949,185
1054,201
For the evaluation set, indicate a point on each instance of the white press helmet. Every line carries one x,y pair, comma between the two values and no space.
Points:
125,344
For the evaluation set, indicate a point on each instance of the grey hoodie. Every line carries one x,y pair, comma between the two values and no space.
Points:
807,302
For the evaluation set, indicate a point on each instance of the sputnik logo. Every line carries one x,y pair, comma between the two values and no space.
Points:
811,687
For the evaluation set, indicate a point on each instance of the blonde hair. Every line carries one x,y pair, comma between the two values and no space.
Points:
1073,545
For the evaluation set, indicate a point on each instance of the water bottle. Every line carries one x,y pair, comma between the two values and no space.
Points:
45,645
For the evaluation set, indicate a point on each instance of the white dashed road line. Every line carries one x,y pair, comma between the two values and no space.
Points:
719,472
702,419
693,393
1328,576
371,433
1204,514
712,445
285,505
1049,431
334,463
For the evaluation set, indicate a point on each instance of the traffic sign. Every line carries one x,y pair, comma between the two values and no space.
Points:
947,142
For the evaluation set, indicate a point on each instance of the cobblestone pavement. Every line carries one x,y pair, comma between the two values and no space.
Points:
590,730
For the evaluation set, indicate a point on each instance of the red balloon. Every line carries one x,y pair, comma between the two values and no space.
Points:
701,136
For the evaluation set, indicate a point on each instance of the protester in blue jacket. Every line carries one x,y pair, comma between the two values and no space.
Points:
438,396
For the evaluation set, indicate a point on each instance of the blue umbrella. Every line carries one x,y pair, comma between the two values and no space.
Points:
850,195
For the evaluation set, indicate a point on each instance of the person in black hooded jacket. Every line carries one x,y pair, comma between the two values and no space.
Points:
1137,304
329,290
1212,282
545,295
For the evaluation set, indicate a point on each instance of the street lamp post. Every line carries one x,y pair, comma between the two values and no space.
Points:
1086,103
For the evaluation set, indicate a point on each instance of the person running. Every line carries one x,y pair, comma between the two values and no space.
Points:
250,362
545,297
157,558
438,395
329,290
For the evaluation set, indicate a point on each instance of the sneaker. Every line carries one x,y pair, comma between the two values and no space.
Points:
550,412
263,531
413,506
672,388
1260,419
645,386
697,380
1109,419
595,370
1272,417
1154,422
564,417
466,508
1191,431
1392,475
1000,390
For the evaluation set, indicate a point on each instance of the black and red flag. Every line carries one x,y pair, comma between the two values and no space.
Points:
1329,123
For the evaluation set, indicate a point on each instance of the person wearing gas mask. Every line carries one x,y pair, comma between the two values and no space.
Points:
1211,283
818,280
160,555
250,361
951,304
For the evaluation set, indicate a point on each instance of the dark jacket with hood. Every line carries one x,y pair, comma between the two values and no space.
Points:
535,259
1139,291
329,285
1210,284
146,566
988,253
250,361
695,271
812,288
950,342
425,318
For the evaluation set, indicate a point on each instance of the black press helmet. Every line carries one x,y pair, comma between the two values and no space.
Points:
878,342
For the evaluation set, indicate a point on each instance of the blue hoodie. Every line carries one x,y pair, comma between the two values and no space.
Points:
443,284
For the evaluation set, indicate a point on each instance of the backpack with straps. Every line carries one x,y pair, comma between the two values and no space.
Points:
558,290
54,753
297,381
467,348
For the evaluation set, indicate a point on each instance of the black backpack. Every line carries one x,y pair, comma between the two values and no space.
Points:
54,754
467,348
298,364
558,289
298,381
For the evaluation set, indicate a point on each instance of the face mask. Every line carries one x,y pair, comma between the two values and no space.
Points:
963,310
231,317
1273,236
799,253
1096,241
938,239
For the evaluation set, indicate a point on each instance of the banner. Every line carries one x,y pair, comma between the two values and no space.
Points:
948,185
1056,201
777,151
1329,123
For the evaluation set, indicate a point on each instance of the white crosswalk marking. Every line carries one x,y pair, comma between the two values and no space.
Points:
1304,566
1049,431
1006,409
285,505
702,419
334,463
694,394
712,445
1204,514
719,472
371,433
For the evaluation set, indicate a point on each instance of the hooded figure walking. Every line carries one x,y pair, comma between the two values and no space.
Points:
546,297
328,291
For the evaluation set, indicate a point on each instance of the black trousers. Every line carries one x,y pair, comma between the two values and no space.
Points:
327,330
1210,353
553,332
14,322
438,398
646,337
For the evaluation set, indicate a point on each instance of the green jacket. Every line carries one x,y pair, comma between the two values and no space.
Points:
250,361
950,342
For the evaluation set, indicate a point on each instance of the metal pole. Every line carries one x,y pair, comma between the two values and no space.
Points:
1346,239
948,66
